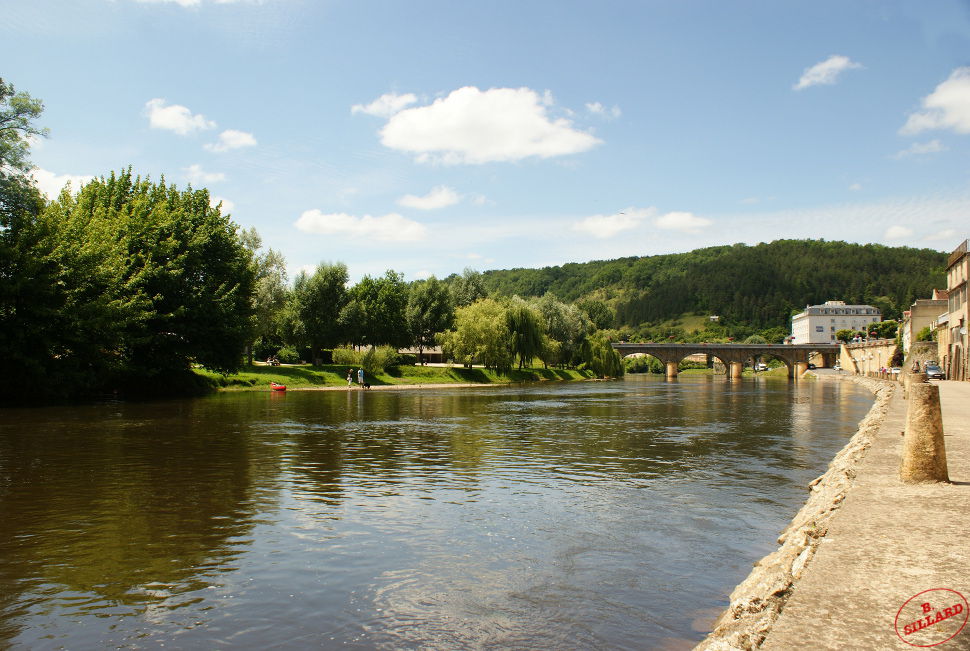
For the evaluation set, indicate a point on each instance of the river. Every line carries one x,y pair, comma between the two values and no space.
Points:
570,516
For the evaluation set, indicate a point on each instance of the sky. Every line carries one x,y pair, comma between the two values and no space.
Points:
430,136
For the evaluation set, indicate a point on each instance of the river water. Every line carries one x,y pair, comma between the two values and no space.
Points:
569,516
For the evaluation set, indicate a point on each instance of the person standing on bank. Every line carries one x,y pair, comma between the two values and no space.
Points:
360,377
350,377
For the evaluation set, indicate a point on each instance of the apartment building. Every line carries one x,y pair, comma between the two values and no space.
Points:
819,323
952,333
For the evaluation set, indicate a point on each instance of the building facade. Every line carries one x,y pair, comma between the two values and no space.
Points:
952,335
922,314
819,323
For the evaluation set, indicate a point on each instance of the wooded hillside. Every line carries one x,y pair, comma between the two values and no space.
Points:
761,286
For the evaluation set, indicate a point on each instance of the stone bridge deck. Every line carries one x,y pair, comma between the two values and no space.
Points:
795,356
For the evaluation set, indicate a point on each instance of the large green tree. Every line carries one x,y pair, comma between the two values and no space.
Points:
183,261
480,334
382,302
317,300
429,311
526,330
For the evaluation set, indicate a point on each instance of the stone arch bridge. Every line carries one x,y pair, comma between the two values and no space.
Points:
795,356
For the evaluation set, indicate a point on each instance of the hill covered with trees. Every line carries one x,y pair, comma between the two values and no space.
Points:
759,286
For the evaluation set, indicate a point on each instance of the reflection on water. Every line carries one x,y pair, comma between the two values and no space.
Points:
593,515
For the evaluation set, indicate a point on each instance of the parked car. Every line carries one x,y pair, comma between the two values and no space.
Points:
895,370
934,372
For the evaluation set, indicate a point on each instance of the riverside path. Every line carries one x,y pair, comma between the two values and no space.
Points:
795,356
888,543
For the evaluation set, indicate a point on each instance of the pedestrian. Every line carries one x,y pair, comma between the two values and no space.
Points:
915,366
350,377
360,377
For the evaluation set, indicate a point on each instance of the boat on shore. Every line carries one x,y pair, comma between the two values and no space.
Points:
276,386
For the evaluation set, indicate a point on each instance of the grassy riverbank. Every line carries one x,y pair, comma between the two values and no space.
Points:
257,378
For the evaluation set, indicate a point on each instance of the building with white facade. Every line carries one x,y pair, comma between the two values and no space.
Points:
819,323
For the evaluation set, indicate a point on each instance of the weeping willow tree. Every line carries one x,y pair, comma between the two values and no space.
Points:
526,330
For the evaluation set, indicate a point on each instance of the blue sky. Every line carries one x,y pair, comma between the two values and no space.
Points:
430,136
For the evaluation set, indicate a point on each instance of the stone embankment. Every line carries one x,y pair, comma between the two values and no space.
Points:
757,602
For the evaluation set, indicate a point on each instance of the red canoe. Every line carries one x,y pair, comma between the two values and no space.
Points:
277,387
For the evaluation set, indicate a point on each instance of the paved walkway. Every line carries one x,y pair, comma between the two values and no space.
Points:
888,542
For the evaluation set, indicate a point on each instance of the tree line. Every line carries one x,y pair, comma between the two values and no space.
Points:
751,288
128,282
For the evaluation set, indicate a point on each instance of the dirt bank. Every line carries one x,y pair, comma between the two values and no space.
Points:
758,600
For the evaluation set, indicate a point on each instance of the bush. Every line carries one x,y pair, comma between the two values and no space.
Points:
347,356
378,358
407,359
287,355
373,360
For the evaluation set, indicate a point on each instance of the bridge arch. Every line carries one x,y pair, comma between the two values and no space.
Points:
795,356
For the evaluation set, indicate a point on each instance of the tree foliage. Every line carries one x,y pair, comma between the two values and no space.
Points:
480,335
428,312
760,286
316,302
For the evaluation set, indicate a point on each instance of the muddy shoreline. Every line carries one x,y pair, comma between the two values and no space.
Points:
757,601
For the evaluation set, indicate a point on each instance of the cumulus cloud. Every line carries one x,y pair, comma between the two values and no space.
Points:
898,232
682,221
227,206
607,226
826,72
439,197
51,184
473,126
175,118
197,176
947,107
921,149
386,228
231,139
386,105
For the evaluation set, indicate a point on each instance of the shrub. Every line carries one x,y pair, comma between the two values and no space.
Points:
287,355
347,356
378,358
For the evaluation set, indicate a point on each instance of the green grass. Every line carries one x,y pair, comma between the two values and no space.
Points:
332,375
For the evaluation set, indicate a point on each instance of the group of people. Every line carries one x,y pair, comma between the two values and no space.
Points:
360,379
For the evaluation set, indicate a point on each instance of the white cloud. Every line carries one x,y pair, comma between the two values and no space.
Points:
473,126
386,105
387,228
175,118
945,234
855,187
947,107
921,149
231,139
439,197
606,226
682,221
422,274
227,206
826,72
197,176
597,108
51,184
898,232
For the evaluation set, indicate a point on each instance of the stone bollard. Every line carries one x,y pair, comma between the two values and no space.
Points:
924,455
910,379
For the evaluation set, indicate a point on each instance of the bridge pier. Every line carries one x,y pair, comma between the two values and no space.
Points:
735,369
671,368
800,368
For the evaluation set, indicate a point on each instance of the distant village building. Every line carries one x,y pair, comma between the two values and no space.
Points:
922,314
819,323
952,325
